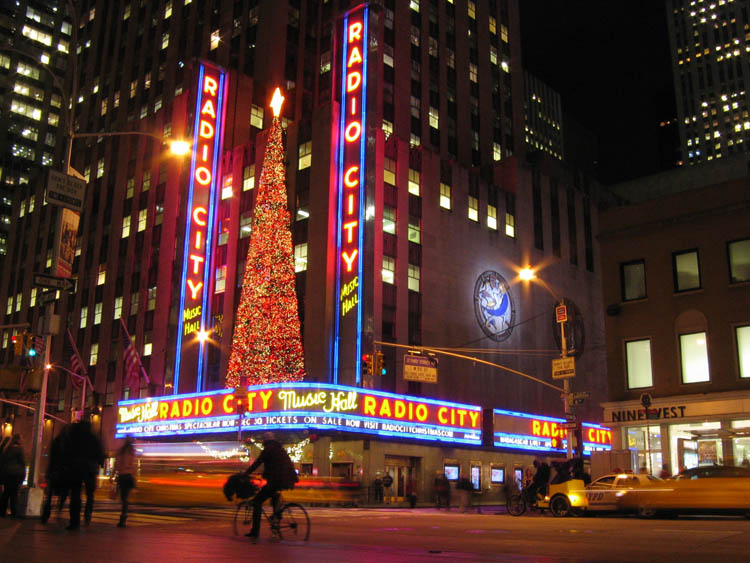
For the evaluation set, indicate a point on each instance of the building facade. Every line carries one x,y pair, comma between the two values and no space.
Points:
543,117
676,274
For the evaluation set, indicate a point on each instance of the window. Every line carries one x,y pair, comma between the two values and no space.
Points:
638,364
165,40
633,280
413,275
389,171
739,261
126,226
84,317
248,178
694,357
142,219
101,277
414,230
492,217
221,279
226,189
118,308
686,270
98,313
473,208
305,155
473,72
146,181
246,220
743,350
148,346
389,220
151,305
300,257
445,196
215,37
414,181
434,117
94,354
135,299
388,272
256,117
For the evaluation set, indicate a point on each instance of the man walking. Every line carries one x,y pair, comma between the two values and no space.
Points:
83,457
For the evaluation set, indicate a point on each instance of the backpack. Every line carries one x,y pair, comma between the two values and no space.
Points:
287,472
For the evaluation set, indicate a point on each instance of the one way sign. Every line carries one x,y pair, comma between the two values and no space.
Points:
45,280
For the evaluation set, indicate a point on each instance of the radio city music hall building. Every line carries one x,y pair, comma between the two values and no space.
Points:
413,209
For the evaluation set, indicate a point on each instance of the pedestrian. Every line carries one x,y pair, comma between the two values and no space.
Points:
125,469
13,471
464,488
56,484
665,473
279,473
411,492
442,490
83,457
377,487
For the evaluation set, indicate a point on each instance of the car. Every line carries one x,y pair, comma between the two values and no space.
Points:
604,493
701,490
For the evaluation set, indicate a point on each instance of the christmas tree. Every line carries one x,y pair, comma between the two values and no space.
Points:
267,346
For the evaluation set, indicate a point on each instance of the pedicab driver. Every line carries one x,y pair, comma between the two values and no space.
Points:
279,473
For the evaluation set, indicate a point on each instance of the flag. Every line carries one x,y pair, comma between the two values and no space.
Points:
39,345
133,366
77,367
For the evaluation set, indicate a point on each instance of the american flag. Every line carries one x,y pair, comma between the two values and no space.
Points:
133,367
76,363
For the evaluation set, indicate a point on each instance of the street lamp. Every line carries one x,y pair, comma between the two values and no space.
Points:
528,274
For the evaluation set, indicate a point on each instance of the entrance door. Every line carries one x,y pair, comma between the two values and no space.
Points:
403,472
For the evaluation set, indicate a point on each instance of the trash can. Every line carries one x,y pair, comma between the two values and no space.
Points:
30,501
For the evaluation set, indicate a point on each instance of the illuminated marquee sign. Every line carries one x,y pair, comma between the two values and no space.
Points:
302,406
544,434
195,290
350,184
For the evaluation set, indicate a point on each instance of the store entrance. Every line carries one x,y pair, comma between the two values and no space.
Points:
403,472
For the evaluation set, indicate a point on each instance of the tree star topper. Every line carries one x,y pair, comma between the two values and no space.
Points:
276,102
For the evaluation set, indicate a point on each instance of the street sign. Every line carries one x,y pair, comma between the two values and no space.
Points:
646,399
65,191
47,297
578,398
420,368
45,280
561,313
568,425
563,368
569,416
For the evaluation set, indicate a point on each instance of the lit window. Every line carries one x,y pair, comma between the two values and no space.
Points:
389,220
387,128
248,178
415,234
32,301
492,217
226,188
414,181
300,257
22,210
739,261
36,35
416,106
135,300
510,225
151,298
414,5
325,62
686,270
84,317
215,37
389,171
246,220
493,55
130,188
126,12
413,276
165,40
100,168
473,208
133,88
256,117
493,25
434,118
94,354
142,218
97,313
743,350
146,185
504,32
694,357
638,363
148,346
9,307
472,9
305,155
445,196
497,151
101,277
221,279
118,308
168,9
19,301
104,106
633,278
388,272
473,73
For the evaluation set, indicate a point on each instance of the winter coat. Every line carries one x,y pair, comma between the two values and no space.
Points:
14,463
278,468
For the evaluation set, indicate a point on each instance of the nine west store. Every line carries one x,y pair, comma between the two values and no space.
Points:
684,430
361,434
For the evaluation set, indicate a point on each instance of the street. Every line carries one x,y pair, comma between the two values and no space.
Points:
375,534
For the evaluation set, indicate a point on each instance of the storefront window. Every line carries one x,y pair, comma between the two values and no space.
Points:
695,444
741,442
646,440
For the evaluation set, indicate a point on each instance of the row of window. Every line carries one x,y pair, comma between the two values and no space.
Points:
694,361
686,271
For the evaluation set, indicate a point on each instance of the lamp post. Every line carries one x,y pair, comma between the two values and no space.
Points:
527,274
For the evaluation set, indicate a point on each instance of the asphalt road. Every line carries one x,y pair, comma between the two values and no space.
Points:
364,535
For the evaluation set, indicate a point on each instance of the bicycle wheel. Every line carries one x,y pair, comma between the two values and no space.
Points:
294,523
516,504
243,518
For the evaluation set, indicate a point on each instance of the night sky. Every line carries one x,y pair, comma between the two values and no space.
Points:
610,62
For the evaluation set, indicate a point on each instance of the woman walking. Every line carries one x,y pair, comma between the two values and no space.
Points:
125,468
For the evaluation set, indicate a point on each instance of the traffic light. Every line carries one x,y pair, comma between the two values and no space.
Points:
30,345
367,364
379,364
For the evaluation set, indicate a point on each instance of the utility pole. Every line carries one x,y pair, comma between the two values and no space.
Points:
566,381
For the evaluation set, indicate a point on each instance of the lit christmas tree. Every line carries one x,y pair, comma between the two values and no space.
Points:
267,346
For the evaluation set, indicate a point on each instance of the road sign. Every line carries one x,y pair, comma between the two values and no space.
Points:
646,399
45,280
569,416
420,368
65,191
561,313
568,425
578,398
47,297
563,367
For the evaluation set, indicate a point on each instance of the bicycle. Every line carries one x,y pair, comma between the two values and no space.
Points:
289,520
563,499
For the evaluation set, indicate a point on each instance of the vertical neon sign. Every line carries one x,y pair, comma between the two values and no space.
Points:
197,265
351,185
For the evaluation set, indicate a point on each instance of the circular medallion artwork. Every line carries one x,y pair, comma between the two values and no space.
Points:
493,306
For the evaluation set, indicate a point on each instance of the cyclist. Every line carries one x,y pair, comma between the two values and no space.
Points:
279,473
539,482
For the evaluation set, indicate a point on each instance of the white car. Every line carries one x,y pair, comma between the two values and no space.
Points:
604,493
